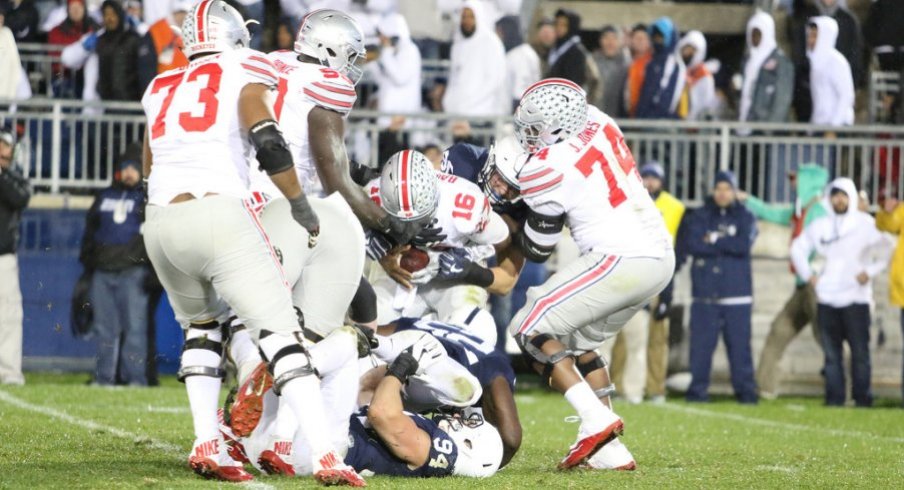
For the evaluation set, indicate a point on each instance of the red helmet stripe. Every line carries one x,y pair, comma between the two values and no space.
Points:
405,187
553,81
201,20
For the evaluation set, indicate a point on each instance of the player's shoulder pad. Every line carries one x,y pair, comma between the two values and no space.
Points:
327,88
257,66
538,176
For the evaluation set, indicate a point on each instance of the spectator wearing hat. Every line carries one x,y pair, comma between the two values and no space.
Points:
113,248
14,196
719,237
69,84
161,47
664,77
854,252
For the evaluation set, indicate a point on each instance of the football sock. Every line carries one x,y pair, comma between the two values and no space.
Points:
587,405
203,395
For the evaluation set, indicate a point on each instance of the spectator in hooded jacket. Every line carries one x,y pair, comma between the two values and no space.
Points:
768,81
854,252
664,76
113,248
522,64
477,67
883,33
613,67
69,84
22,18
161,46
831,82
719,237
567,58
117,53
700,85
641,53
850,39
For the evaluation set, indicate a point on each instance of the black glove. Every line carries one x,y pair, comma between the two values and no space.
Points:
304,214
403,366
378,245
367,340
429,236
455,265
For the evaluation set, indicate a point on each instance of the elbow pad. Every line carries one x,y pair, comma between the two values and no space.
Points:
273,153
539,236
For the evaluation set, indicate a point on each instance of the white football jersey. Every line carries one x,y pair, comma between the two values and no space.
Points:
593,180
194,131
464,213
302,87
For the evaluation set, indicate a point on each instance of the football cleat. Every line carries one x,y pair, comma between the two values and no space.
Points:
234,448
277,459
209,459
332,471
589,445
249,401
612,456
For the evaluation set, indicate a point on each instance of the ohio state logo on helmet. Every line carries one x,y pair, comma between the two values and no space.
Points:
213,26
408,186
550,111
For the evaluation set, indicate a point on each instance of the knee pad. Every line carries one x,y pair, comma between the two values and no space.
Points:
202,340
532,349
286,357
596,364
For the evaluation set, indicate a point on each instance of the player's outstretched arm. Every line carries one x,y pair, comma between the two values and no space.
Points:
398,432
327,140
500,410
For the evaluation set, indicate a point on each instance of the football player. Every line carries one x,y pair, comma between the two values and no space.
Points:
443,384
205,242
582,174
410,188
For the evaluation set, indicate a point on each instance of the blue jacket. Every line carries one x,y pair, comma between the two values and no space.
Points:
721,269
664,76
112,239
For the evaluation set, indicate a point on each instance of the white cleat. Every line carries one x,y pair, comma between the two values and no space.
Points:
612,456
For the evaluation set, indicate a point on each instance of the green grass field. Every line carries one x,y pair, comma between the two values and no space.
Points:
57,432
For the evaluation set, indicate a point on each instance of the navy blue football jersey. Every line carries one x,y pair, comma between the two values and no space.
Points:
481,358
367,452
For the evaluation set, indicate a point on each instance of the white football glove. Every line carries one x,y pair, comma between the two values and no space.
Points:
428,352
427,274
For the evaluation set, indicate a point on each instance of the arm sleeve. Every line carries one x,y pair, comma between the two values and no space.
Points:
779,214
844,91
332,91
801,248
257,68
691,236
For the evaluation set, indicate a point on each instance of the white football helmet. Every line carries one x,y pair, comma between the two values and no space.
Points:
213,26
550,111
408,186
506,159
479,444
334,39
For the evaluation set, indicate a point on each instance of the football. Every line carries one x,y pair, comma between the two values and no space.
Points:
414,259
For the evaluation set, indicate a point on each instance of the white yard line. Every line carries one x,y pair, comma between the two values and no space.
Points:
166,447
779,425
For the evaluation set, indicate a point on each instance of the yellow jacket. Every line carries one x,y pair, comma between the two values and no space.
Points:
894,223
672,211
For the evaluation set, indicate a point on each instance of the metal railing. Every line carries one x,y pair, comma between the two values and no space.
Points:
65,150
